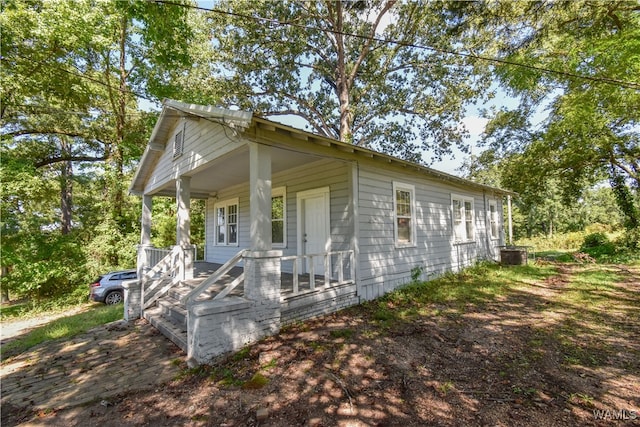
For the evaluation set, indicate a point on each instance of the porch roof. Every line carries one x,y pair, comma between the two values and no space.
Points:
346,148
171,112
245,121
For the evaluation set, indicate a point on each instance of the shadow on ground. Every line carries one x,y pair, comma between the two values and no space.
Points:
546,353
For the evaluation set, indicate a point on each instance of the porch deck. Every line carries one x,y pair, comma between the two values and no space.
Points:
202,270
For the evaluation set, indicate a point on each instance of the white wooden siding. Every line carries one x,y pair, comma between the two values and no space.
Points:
323,173
203,142
384,266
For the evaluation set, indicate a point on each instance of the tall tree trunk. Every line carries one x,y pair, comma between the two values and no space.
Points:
115,163
117,153
66,187
342,76
4,292
624,198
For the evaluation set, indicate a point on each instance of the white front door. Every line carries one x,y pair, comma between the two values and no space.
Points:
313,226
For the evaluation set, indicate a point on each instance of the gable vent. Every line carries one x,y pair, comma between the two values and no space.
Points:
178,144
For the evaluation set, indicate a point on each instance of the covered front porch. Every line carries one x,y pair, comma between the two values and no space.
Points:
242,223
264,267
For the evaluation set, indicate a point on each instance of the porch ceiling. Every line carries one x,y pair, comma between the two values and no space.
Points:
233,169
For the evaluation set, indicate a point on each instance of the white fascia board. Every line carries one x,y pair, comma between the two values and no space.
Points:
233,118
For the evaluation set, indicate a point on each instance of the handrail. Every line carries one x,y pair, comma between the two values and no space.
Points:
164,262
172,268
161,292
226,267
231,286
291,257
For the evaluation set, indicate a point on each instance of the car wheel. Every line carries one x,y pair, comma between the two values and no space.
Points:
114,297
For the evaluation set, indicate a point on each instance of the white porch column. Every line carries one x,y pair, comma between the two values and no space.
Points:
510,220
261,264
354,198
260,196
143,263
183,199
133,292
147,206
183,228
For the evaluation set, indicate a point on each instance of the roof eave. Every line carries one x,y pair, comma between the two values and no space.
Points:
346,147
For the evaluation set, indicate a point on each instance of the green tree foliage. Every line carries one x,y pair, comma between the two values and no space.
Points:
542,207
329,62
37,258
164,223
624,199
591,131
72,76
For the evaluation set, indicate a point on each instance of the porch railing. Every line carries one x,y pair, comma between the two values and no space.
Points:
153,256
217,275
338,269
164,275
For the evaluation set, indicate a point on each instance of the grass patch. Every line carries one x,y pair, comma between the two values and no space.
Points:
64,327
31,308
256,382
14,311
445,387
242,354
593,302
623,257
224,376
341,333
590,289
475,285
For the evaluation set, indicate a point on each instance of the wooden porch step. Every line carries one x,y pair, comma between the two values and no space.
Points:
169,315
185,287
174,311
167,327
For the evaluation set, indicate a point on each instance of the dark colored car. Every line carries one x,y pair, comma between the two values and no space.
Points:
108,287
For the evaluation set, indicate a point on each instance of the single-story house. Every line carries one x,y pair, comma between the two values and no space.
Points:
297,225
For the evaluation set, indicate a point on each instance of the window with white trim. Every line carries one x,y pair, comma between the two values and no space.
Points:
493,219
227,223
462,208
279,217
404,214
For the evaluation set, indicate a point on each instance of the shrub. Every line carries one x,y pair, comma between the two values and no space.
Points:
597,245
629,240
594,240
561,241
598,228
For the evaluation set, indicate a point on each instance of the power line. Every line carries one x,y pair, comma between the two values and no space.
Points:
627,84
44,110
97,81
607,80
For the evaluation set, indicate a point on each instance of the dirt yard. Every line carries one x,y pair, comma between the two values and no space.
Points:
547,353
